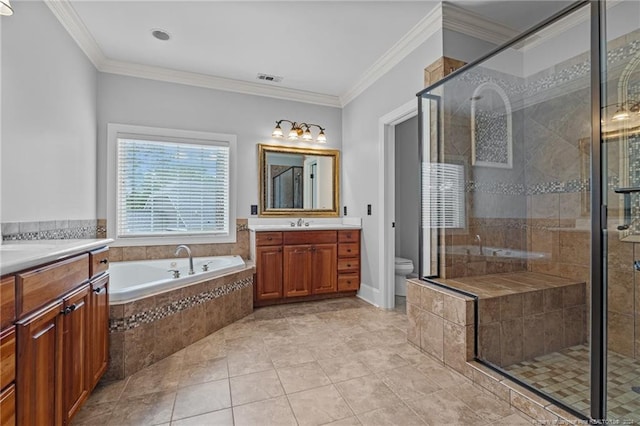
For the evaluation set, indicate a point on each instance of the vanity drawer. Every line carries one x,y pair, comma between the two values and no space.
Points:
349,264
348,249
98,261
348,282
7,356
7,301
350,236
310,237
40,286
268,238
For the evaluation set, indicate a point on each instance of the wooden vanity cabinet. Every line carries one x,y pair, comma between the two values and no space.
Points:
302,265
62,337
348,260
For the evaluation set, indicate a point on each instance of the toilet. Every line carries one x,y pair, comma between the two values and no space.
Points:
403,268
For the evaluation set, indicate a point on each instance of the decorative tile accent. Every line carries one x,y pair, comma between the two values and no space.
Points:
158,313
51,230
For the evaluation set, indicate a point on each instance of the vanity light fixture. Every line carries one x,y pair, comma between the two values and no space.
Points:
299,131
5,8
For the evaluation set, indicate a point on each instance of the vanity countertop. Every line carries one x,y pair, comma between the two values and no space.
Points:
264,225
19,255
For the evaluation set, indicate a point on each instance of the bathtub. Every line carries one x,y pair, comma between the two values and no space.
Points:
130,281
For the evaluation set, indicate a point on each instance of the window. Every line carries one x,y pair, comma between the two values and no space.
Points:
443,195
170,186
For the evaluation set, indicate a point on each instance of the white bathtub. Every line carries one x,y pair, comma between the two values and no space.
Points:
135,280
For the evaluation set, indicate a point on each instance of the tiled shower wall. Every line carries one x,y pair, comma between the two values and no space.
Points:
542,204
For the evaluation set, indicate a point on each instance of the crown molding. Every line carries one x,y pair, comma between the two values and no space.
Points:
456,18
425,28
212,82
71,21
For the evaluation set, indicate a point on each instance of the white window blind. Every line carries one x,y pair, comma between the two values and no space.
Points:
172,188
443,196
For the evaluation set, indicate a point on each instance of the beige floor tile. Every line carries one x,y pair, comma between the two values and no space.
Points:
513,420
149,409
215,418
212,346
340,369
325,350
381,359
276,411
302,377
442,408
443,376
108,391
366,394
349,421
203,398
248,362
286,356
255,387
396,415
244,345
161,376
408,382
91,411
319,406
488,407
204,371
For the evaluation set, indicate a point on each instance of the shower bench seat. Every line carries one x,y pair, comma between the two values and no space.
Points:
520,315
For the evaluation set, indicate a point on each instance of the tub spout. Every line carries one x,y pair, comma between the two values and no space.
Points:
188,250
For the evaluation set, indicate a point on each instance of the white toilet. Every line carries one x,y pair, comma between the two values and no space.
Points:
403,268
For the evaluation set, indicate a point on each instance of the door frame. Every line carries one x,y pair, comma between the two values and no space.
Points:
387,198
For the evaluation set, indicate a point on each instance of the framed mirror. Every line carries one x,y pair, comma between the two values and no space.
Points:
298,181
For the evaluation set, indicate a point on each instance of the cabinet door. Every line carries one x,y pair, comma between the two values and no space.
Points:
99,329
8,406
269,272
75,350
324,268
40,367
297,270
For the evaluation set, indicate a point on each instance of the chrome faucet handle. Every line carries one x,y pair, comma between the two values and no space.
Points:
300,221
292,224
205,266
176,273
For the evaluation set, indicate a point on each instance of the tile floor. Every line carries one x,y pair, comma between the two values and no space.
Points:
340,362
565,375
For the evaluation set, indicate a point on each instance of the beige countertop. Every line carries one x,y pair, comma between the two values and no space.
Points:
19,255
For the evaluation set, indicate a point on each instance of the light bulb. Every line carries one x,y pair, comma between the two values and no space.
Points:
277,132
5,8
621,114
293,134
306,136
322,138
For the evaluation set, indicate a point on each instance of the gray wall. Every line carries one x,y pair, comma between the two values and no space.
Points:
137,101
48,120
407,183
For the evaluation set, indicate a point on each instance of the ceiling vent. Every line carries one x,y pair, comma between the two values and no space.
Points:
270,78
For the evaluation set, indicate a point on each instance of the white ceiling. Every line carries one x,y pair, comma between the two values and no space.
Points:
323,47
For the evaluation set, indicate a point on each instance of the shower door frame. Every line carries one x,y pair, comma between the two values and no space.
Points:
598,269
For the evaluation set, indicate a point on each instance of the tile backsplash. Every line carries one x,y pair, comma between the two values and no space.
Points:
53,230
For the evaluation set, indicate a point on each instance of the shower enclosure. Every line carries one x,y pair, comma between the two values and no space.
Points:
531,203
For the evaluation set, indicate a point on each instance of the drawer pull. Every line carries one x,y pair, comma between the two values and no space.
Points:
98,290
269,238
104,261
348,265
68,309
348,250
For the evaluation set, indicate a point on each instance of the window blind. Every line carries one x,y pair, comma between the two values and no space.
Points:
443,196
171,188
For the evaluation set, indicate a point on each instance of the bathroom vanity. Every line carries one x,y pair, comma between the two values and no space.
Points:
54,321
305,263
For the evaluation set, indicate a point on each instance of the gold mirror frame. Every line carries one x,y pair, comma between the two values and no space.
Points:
272,212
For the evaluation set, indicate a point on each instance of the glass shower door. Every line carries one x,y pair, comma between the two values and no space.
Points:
621,194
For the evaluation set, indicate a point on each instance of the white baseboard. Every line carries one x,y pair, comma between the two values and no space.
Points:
370,294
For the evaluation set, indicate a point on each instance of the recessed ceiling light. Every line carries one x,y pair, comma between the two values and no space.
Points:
160,34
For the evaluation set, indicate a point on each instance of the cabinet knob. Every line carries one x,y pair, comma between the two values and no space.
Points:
269,238
348,265
104,261
348,250
67,310
98,290
279,250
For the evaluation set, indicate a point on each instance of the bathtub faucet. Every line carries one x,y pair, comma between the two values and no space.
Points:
188,250
479,240
300,221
